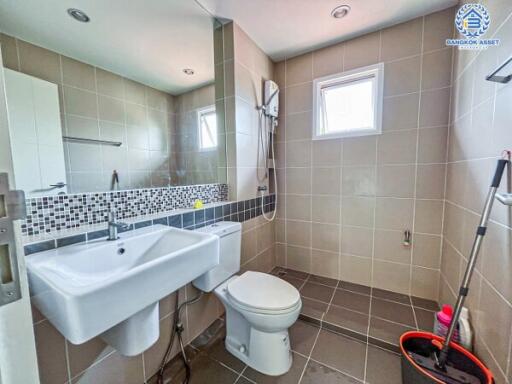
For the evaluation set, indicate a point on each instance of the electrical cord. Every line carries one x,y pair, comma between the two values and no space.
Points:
177,329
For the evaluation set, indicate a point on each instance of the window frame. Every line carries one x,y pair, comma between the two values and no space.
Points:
200,112
358,74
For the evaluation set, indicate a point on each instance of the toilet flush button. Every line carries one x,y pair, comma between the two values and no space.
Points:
242,349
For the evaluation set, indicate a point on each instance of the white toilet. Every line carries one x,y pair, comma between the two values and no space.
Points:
259,307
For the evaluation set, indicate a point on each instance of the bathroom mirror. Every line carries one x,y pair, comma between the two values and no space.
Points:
112,96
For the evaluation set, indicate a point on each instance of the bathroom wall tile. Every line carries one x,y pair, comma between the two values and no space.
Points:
325,209
397,147
395,180
298,180
51,354
496,260
111,109
357,241
325,237
359,181
298,154
326,153
298,258
299,98
84,355
134,92
39,62
426,251
358,211
354,269
437,69
81,103
402,76
425,283
428,216
432,144
393,213
78,74
402,40
110,84
82,127
328,61
438,27
430,181
389,246
205,312
298,233
298,207
359,150
361,51
9,52
325,181
400,112
391,276
115,369
324,263
299,69
298,126
434,107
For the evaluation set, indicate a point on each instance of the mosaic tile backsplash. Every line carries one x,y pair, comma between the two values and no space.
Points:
72,211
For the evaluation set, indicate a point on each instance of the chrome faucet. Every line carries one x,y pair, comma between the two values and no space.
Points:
114,226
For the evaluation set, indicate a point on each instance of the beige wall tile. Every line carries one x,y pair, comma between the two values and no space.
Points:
425,283
326,153
397,147
298,154
299,69
400,112
402,40
111,109
359,150
359,181
298,180
298,126
396,180
39,62
298,233
389,246
78,74
426,251
298,207
358,211
299,98
324,263
51,354
298,258
361,51
434,107
110,84
430,181
428,216
325,237
432,144
357,241
402,76
391,213
391,276
326,181
328,61
436,69
438,27
356,269
81,103
325,209
9,52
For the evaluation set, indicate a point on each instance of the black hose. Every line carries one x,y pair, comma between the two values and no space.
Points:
177,329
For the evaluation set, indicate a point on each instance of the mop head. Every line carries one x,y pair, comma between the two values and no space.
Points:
450,375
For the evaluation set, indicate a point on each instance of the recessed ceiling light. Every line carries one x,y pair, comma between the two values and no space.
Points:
78,15
340,11
188,71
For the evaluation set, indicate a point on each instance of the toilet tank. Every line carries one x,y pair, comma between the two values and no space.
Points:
230,234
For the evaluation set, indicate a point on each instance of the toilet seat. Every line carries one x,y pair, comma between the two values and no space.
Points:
263,293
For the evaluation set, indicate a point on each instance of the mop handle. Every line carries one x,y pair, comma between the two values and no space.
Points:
480,233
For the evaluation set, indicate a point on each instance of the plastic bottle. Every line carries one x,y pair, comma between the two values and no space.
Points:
466,336
442,322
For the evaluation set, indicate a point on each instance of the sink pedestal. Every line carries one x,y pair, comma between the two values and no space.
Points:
135,334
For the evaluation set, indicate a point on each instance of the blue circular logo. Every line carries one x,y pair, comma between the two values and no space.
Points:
472,20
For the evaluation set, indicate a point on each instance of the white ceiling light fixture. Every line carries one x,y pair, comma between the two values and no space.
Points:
78,15
188,71
340,11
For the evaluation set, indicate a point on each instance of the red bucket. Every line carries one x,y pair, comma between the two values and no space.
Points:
418,350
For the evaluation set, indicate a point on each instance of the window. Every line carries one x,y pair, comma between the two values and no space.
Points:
349,103
207,123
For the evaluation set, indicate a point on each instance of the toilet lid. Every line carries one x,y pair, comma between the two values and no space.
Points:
263,291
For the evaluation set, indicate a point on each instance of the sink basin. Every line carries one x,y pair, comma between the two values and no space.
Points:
112,288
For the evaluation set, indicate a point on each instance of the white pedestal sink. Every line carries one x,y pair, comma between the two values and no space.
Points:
112,288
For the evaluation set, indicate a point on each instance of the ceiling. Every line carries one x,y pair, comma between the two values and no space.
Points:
148,41
286,28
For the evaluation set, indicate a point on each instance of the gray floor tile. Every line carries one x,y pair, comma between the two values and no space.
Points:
340,352
323,280
425,319
358,288
313,308
425,304
302,337
348,319
296,274
398,313
352,300
382,367
392,296
291,377
317,373
386,330
297,283
317,292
